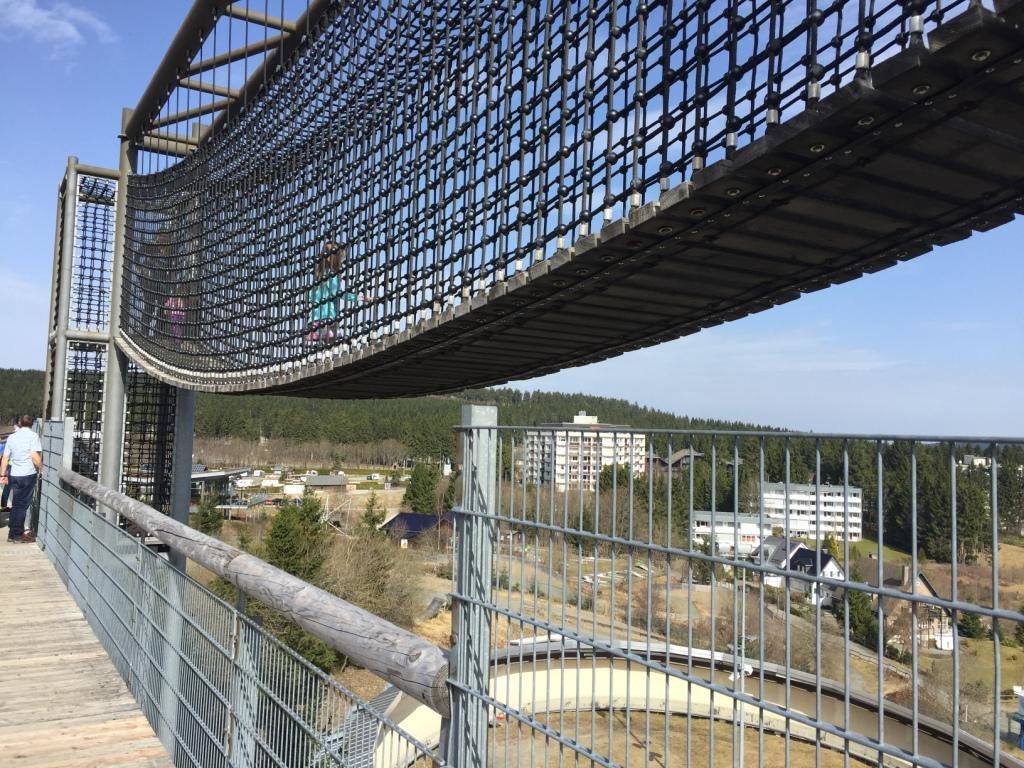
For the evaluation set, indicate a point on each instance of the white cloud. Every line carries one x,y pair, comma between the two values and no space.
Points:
805,379
62,26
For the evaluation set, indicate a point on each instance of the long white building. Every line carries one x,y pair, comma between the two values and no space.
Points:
570,455
839,512
741,532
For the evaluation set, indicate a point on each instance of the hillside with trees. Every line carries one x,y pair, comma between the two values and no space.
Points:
21,392
422,428
424,425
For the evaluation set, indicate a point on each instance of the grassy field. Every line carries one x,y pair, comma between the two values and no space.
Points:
977,665
867,547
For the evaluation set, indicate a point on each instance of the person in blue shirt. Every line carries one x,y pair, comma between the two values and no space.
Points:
328,294
23,454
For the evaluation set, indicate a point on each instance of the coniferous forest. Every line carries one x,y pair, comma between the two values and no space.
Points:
425,428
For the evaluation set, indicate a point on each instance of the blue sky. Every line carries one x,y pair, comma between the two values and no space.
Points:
931,346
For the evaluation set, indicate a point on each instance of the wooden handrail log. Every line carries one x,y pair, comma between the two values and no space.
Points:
410,663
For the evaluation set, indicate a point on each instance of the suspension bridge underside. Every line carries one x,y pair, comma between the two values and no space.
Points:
924,152
929,152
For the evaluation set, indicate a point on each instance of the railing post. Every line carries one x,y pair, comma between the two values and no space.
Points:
172,649
181,465
58,364
244,701
112,440
475,541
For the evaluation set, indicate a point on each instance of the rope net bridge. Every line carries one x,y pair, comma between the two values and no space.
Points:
419,197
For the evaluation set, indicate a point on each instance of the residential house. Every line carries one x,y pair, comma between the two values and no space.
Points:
934,623
331,490
776,552
406,526
678,461
740,532
816,563
973,461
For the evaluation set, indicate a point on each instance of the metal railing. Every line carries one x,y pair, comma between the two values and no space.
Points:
701,598
217,689
621,597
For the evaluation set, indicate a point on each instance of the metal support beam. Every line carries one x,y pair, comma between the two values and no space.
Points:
112,440
306,21
67,254
172,145
216,90
198,24
260,18
263,46
97,171
181,478
51,318
94,337
187,114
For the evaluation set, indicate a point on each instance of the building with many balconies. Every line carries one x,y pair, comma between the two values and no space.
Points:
571,455
814,510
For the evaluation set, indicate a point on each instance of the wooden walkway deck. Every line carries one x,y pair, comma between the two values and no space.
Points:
62,703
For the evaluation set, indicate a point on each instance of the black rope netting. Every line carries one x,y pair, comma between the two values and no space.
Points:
147,462
410,155
83,401
94,245
149,408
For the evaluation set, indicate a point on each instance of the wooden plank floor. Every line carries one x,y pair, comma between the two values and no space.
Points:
62,703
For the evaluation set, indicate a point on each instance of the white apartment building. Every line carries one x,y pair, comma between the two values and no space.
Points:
570,455
744,531
971,461
840,511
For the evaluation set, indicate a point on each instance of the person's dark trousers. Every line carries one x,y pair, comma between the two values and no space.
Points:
24,488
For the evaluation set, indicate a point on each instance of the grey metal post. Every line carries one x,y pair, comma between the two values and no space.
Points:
117,365
67,259
181,478
243,702
468,741
171,683
51,317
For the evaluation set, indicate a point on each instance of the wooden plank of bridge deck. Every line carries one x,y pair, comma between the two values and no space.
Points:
62,703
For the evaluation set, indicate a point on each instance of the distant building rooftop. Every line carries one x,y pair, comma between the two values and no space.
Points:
411,524
253,501
581,420
216,474
809,488
326,481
